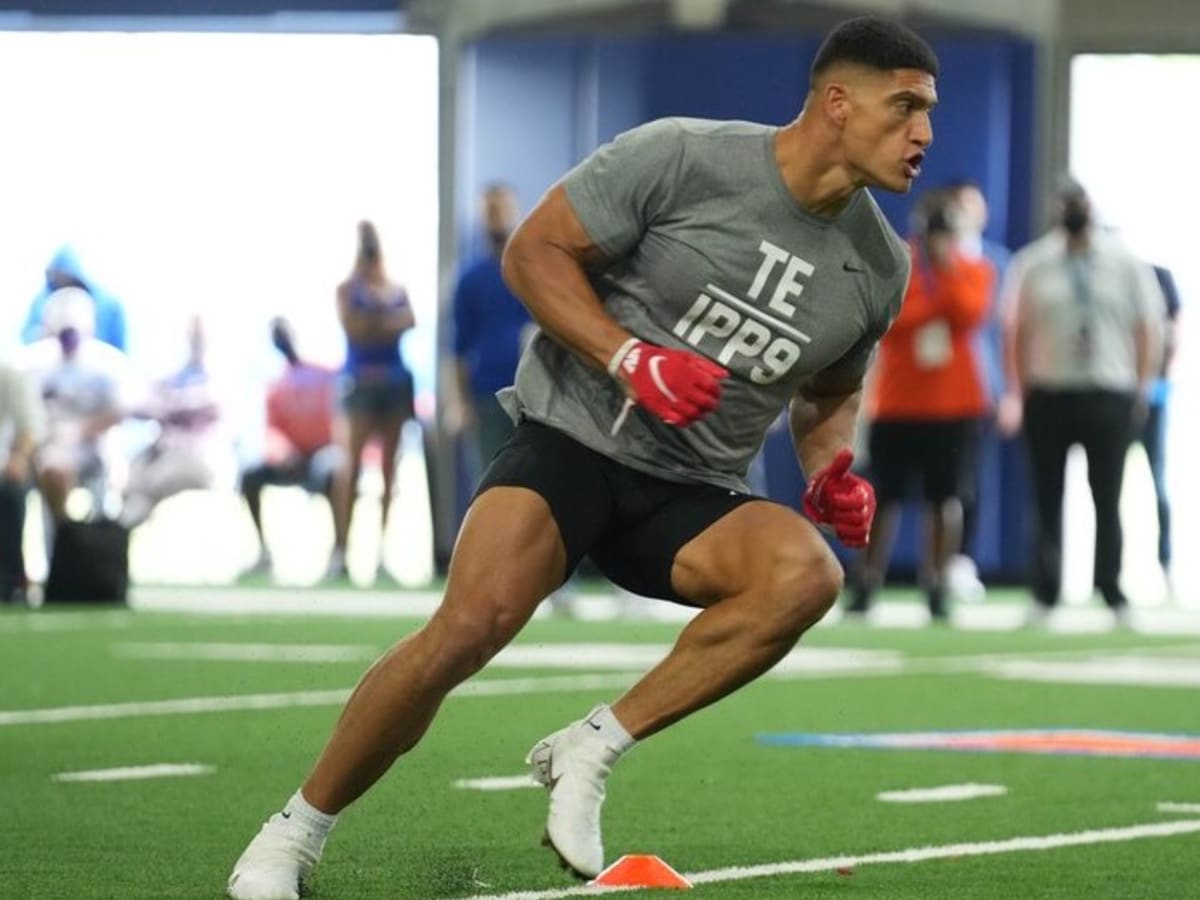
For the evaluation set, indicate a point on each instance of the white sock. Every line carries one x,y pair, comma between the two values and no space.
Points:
610,729
317,822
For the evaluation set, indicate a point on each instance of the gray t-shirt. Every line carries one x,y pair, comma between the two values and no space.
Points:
709,251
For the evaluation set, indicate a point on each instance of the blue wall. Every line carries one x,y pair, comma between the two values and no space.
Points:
533,107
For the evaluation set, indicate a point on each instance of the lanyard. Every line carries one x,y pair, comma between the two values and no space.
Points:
1080,269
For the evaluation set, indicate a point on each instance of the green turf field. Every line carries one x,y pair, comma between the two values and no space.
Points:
705,795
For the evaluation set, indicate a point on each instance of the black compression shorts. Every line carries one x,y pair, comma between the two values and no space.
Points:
631,524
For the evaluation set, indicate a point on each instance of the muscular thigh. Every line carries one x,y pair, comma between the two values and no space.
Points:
509,553
645,554
727,557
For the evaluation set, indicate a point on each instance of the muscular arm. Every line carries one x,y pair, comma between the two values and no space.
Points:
823,419
544,264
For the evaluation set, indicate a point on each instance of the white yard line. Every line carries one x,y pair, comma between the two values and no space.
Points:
1189,808
911,855
945,793
190,705
246,652
136,773
497,783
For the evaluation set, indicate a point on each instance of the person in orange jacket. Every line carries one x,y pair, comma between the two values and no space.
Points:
927,397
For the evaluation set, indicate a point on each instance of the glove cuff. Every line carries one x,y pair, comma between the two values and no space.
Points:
614,364
811,509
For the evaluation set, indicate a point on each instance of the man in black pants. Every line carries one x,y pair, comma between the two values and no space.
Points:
21,427
1083,336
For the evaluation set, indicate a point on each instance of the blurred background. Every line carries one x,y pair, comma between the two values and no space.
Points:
213,160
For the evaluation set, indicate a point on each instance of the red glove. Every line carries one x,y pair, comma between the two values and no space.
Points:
678,386
838,497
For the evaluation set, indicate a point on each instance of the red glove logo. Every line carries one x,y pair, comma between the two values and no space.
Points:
838,497
678,386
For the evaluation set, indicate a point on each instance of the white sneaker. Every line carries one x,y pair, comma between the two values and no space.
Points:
262,566
962,580
276,861
573,764
337,571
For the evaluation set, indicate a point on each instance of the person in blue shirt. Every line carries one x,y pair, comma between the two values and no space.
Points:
1152,434
377,386
65,270
491,327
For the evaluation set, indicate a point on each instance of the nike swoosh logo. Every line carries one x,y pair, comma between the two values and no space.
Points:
851,267
655,364
595,727
286,814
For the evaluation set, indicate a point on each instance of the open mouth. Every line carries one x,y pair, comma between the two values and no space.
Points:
912,165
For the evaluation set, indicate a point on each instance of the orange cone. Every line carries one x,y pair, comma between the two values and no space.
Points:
641,870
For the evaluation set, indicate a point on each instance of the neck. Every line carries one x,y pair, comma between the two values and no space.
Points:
1079,243
812,167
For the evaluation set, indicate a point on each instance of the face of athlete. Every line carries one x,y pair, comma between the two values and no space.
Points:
886,128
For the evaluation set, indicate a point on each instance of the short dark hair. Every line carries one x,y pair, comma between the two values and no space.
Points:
875,42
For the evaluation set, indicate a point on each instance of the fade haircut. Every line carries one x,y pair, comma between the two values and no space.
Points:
877,43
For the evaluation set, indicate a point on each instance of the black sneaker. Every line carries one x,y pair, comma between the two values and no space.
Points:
860,602
937,604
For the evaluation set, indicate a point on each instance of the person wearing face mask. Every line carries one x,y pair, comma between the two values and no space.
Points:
299,447
1082,340
491,327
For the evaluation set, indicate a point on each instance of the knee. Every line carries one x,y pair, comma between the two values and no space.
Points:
802,581
467,638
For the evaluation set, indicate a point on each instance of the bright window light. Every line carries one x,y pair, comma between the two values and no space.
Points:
1134,151
220,173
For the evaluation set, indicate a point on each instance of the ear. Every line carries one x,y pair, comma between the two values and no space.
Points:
836,102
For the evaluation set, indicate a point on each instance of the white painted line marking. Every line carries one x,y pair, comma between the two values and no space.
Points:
182,706
912,855
188,705
1157,671
497,783
136,773
247,652
944,794
819,661
1179,807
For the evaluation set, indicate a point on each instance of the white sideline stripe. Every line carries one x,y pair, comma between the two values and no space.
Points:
188,705
944,794
497,783
238,652
1103,668
912,855
136,773
593,656
182,706
1179,807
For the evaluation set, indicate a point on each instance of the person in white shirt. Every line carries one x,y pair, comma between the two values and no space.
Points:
1083,336
85,385
22,423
